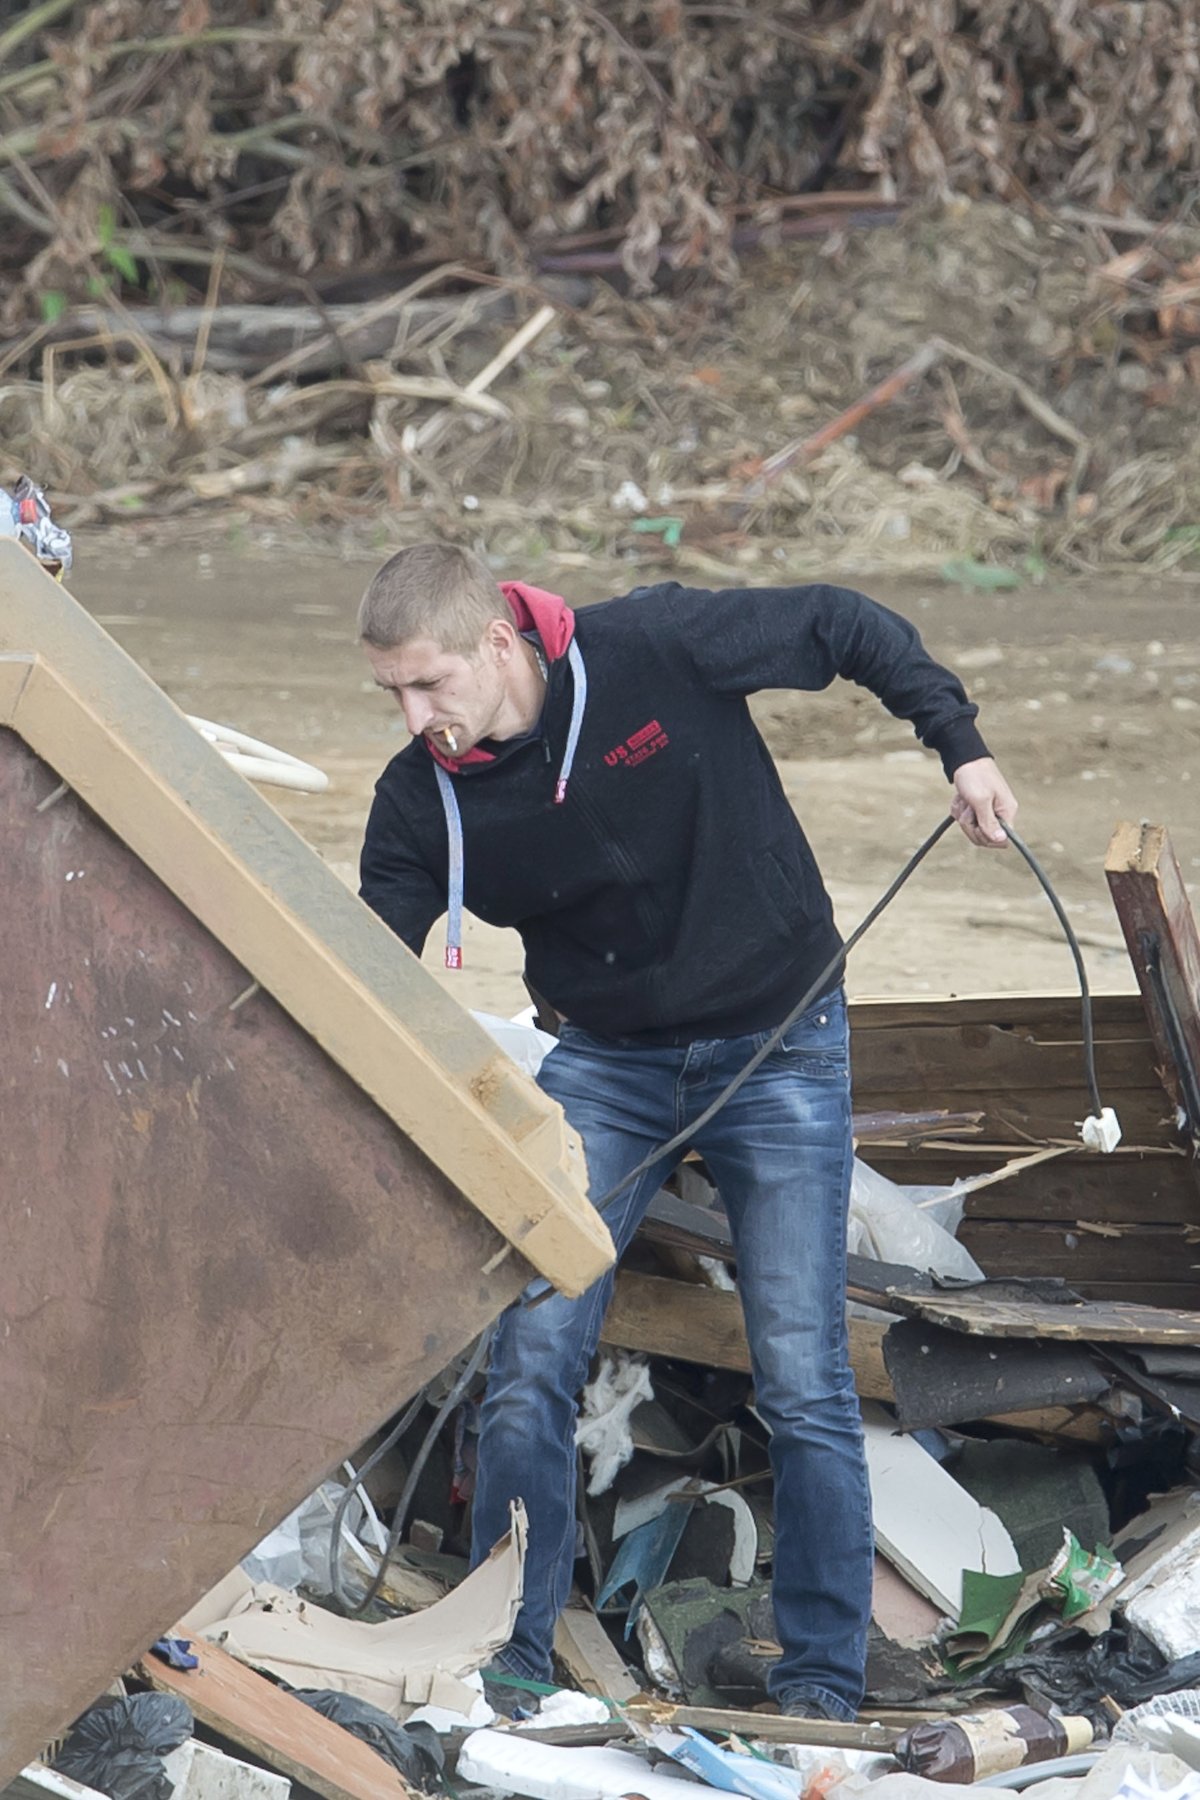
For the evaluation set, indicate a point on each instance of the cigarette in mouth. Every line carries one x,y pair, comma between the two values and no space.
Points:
451,740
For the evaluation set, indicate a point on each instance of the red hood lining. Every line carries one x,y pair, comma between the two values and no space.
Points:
533,609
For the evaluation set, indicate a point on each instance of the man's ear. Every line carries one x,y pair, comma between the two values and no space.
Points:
500,639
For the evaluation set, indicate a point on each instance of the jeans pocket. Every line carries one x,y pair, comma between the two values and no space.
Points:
817,1044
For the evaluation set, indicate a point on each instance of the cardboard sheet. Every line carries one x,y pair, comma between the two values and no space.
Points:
397,1665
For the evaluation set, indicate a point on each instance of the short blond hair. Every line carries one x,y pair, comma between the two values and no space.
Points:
435,591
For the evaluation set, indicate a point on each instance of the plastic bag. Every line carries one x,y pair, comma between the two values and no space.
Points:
525,1044
117,1746
912,1226
413,1749
296,1553
279,1558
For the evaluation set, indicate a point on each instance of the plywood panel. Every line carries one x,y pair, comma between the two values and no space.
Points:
223,1265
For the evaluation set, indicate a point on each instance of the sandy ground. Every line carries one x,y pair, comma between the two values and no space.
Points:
1090,698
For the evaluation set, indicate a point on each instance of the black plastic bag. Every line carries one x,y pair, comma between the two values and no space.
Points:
117,1746
415,1750
1076,1673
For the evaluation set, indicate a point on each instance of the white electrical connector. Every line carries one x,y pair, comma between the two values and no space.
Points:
1101,1133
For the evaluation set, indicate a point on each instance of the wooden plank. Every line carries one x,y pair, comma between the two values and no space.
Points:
942,1061
1143,1186
1163,1296
697,1324
1032,1116
587,1652
273,1725
37,1782
980,1313
827,1733
1047,1015
1156,917
1140,1253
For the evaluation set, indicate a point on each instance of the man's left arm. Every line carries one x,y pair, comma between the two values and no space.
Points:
742,640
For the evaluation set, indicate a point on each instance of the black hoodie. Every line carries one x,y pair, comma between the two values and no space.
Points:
672,894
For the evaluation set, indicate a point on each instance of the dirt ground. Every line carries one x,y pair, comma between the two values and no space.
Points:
1090,698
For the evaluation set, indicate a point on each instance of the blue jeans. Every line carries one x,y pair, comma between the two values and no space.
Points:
780,1154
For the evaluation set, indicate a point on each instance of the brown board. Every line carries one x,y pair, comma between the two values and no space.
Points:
223,1264
274,1726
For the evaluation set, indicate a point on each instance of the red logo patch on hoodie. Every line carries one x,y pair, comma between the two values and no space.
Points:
646,742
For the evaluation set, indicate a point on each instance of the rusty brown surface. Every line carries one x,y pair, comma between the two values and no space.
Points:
223,1265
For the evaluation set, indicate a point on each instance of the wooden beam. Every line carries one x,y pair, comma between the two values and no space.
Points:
294,927
703,1325
1164,947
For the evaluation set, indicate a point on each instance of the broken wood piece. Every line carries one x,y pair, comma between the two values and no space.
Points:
268,342
274,1726
1060,1424
912,1129
803,450
1156,917
992,1309
587,1653
427,434
899,1609
776,1729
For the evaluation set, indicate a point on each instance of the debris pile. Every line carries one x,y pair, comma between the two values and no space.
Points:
957,388
297,142
1024,1337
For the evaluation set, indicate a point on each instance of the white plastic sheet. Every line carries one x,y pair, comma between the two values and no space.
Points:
911,1226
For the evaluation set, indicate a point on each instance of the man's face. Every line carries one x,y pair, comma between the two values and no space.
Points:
451,699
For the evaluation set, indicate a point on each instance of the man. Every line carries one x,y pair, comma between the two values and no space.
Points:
596,781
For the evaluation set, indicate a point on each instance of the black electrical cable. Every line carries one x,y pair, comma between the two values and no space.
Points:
678,1142
1089,1045
471,1368
377,1455
819,986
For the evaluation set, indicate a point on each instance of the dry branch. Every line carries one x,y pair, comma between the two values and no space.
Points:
803,450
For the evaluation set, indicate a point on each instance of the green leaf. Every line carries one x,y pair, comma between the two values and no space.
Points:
985,578
98,287
54,305
123,262
106,225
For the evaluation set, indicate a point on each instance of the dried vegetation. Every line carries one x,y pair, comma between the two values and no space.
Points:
282,255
